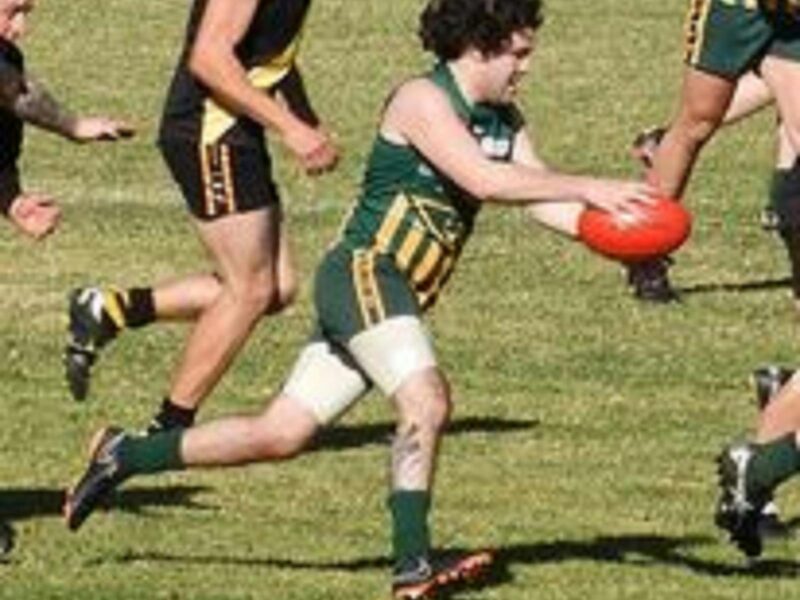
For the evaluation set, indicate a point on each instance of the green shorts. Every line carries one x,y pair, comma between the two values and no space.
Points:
729,37
356,290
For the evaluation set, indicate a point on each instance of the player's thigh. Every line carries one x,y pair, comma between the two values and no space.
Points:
366,304
325,381
235,204
394,352
782,74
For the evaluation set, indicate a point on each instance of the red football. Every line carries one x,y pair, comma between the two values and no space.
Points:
663,228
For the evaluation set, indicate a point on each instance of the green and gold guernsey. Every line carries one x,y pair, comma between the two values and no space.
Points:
787,8
404,235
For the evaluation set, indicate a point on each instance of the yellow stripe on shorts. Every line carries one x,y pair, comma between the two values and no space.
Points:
695,29
367,291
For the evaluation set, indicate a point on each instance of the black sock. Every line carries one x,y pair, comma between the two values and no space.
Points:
139,309
131,308
172,416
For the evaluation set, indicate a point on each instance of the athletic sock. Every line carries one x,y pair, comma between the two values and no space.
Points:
128,309
777,188
152,453
171,416
774,462
410,534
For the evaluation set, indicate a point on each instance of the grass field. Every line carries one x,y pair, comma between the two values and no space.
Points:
586,423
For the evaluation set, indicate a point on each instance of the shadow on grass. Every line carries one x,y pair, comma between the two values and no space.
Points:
345,437
639,551
20,504
746,286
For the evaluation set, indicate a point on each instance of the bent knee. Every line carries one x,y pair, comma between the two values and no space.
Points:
430,414
285,296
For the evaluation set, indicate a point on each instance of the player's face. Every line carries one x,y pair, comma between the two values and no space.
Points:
506,68
14,18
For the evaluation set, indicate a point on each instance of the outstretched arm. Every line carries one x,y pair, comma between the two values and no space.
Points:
419,114
31,101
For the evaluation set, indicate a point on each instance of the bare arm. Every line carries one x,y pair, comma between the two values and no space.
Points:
37,106
561,217
30,100
213,61
419,114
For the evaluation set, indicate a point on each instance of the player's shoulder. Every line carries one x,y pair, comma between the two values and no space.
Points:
418,94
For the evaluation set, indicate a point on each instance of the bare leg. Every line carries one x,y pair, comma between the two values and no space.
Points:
783,78
246,248
280,432
704,101
186,298
423,409
782,414
751,95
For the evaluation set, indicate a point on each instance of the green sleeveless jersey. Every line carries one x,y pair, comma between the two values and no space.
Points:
414,214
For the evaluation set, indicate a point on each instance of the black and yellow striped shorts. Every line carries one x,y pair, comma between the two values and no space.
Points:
221,179
729,37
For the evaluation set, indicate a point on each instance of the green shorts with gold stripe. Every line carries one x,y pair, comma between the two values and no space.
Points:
220,179
730,37
358,289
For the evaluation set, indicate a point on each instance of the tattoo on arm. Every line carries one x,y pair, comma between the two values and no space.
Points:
12,85
37,106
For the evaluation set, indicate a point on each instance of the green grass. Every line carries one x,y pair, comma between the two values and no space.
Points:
585,424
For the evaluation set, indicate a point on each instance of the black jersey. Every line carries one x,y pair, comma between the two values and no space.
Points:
267,52
10,124
13,64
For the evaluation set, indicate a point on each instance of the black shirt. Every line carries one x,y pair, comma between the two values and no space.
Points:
266,52
12,64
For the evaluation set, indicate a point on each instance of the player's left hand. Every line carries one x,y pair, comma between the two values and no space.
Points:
88,129
35,215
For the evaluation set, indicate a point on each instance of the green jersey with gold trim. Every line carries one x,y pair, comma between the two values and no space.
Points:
267,52
789,8
413,213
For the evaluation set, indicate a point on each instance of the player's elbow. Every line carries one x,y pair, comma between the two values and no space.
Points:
203,62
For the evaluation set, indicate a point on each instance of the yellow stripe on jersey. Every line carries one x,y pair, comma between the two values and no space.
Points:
390,224
367,290
409,247
425,269
424,207
217,120
425,298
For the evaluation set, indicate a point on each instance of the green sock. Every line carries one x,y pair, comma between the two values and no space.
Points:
152,453
410,534
778,189
774,462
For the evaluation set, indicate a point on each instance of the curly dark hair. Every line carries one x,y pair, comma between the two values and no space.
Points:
449,27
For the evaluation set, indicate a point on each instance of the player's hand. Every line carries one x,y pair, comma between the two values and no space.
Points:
620,197
35,215
89,129
313,148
